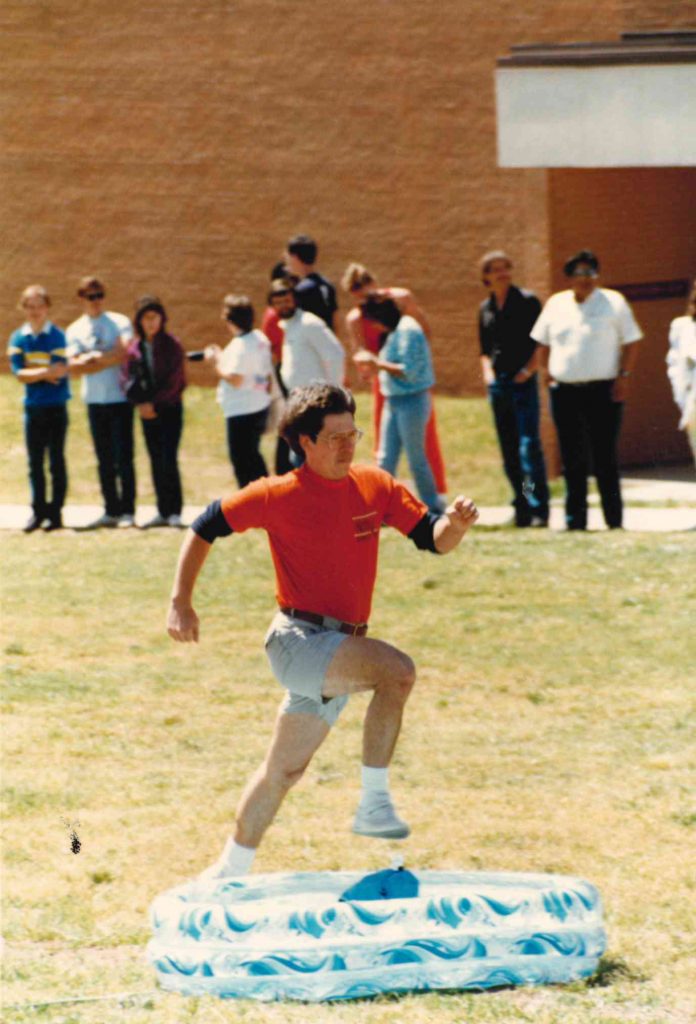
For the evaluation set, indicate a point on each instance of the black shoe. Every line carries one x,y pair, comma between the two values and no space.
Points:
33,524
53,524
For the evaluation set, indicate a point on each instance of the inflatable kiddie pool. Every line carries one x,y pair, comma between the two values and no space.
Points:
316,936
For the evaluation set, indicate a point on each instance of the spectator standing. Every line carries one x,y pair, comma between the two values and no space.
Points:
366,334
314,292
97,346
38,359
406,376
508,363
587,336
311,351
154,382
270,325
245,370
681,368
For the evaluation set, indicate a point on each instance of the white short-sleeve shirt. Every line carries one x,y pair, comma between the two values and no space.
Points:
311,351
681,359
99,334
249,355
585,338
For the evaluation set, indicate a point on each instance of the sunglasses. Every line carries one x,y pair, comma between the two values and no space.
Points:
93,296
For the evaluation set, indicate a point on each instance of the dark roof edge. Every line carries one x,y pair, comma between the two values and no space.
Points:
664,47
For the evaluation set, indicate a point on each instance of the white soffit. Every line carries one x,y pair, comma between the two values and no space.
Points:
602,116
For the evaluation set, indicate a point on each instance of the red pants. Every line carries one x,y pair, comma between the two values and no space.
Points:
432,441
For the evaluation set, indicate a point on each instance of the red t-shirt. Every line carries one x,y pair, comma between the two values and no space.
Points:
270,325
324,534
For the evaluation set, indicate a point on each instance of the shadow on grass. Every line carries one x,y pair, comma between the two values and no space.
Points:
610,970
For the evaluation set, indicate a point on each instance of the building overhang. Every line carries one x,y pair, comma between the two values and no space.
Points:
630,103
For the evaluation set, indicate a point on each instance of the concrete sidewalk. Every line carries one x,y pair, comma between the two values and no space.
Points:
669,511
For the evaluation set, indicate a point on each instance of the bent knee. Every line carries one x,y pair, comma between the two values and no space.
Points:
402,676
283,777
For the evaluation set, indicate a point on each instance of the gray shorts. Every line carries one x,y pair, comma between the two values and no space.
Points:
300,654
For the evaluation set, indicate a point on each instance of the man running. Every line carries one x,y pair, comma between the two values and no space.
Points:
323,522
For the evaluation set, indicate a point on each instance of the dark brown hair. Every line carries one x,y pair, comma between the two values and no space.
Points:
239,311
308,406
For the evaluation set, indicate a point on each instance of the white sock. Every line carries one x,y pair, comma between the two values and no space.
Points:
236,859
375,783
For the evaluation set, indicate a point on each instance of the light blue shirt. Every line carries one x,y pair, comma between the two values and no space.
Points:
408,346
99,334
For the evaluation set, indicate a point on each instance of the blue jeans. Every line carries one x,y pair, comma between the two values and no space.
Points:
516,414
45,427
112,433
403,425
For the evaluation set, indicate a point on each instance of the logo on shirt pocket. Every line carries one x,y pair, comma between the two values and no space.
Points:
366,526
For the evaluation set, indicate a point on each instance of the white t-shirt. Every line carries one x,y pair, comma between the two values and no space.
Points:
99,334
681,360
311,351
586,337
249,355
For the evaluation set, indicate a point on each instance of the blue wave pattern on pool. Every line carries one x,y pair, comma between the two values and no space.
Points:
290,936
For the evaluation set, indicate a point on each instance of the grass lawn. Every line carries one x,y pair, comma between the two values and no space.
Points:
549,730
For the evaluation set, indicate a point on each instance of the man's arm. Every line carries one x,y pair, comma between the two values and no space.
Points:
543,355
627,363
450,528
408,305
487,371
85,363
52,373
182,621
353,331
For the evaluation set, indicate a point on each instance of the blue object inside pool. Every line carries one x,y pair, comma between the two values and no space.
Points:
389,884
330,935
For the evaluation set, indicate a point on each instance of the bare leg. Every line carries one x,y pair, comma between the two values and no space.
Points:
295,740
361,664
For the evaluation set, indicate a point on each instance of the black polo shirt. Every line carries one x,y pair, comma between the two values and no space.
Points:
504,333
317,295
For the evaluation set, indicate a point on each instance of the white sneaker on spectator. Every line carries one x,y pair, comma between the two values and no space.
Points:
175,521
126,520
104,521
378,819
157,520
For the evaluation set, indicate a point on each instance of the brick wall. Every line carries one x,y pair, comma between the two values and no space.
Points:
173,147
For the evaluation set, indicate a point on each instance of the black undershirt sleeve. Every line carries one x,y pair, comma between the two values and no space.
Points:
211,523
422,533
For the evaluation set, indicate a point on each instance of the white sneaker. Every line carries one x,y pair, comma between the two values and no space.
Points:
379,820
126,520
103,521
175,521
157,520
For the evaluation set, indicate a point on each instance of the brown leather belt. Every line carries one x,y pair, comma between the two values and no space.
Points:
351,628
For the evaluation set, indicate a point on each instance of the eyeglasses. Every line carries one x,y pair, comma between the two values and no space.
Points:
93,296
336,440
584,272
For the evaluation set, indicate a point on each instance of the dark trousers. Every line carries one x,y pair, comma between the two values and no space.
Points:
45,428
112,434
588,424
244,435
282,457
516,415
162,437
